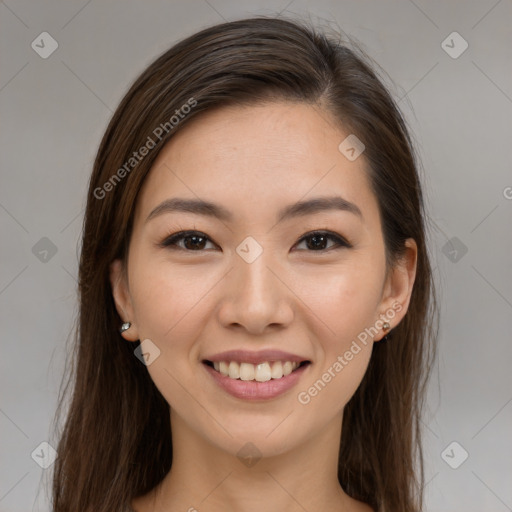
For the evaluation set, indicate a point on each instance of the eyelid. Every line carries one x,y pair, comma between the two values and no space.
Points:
340,241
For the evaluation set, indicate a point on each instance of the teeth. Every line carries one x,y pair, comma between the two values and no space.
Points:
223,368
262,372
288,368
277,370
234,370
247,371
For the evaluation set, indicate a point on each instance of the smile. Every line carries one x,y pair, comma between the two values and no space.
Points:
261,372
262,381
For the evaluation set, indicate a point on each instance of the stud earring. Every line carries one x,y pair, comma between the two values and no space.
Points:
385,327
125,327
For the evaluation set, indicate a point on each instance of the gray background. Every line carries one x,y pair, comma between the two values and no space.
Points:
55,110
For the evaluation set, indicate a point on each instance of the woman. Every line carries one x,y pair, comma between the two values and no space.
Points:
257,310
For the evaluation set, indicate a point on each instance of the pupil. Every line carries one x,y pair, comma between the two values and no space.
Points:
317,243
194,239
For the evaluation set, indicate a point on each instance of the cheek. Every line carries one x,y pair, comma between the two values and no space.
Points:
344,299
348,308
345,303
167,300
170,304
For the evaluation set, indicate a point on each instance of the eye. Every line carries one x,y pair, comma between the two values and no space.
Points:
193,241
318,239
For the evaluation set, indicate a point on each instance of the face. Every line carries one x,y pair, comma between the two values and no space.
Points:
259,278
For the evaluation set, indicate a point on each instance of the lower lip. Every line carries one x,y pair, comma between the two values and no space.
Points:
253,390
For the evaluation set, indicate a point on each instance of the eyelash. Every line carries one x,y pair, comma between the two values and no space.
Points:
170,241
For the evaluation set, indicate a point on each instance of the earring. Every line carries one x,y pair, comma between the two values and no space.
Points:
385,327
125,327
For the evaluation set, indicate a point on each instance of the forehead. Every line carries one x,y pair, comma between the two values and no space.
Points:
254,159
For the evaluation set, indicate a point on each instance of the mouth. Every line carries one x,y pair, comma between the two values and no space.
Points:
259,381
261,372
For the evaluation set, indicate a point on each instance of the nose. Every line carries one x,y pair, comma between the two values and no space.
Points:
255,297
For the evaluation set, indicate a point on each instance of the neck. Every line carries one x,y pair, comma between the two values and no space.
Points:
206,476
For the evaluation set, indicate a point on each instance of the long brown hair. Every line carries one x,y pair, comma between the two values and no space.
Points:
115,443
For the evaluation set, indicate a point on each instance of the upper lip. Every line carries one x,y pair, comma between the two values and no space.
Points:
246,356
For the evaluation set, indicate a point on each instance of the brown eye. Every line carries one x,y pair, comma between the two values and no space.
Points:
195,241
192,241
317,241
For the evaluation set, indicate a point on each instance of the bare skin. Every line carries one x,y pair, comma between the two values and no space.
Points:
194,299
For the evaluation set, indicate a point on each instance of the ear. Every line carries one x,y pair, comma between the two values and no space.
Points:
122,299
398,288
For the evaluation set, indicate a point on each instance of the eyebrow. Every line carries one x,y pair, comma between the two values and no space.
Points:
299,209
